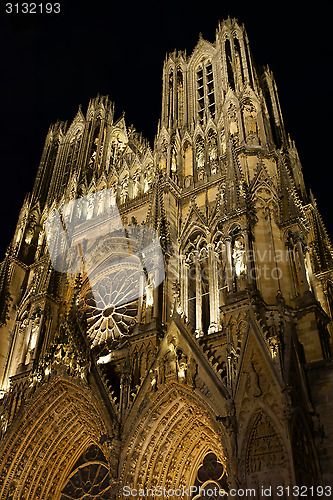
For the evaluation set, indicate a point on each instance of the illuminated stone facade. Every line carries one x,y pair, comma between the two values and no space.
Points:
222,375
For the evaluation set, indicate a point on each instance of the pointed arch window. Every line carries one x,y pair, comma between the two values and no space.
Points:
170,95
89,478
239,62
67,166
205,90
180,95
71,159
230,72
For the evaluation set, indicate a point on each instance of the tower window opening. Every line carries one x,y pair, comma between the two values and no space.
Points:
210,89
249,65
230,72
239,64
170,96
68,164
205,91
201,95
180,95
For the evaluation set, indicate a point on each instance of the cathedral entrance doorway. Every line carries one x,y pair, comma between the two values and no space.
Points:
176,447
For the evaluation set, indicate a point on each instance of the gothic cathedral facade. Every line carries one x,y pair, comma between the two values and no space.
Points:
220,375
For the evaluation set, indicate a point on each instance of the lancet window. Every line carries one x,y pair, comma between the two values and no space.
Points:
73,149
170,96
239,65
205,90
200,283
180,96
230,72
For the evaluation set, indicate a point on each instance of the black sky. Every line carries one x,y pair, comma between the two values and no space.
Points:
51,63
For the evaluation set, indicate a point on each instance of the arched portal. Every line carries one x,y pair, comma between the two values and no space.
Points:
168,446
53,429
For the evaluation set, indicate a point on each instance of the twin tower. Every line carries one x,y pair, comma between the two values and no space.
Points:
216,372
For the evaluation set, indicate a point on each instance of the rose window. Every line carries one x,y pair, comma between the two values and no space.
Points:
112,306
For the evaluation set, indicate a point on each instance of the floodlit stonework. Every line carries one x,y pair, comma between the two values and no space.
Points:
220,375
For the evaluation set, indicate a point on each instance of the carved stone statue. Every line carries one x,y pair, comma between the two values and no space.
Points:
91,206
124,190
232,117
252,384
58,355
182,367
250,118
153,380
239,256
148,178
113,195
3,422
170,361
135,184
176,296
191,372
173,162
200,154
212,148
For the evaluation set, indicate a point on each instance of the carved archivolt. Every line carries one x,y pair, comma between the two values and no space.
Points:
49,435
168,445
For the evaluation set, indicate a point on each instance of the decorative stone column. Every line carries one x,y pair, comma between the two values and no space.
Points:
26,342
229,264
184,285
249,265
125,383
141,294
198,294
309,273
155,292
213,290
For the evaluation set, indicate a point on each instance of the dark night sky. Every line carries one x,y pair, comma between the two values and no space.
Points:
51,63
